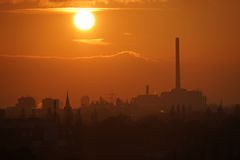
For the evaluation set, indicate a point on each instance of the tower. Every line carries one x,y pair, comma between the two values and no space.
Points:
180,96
178,80
68,115
67,104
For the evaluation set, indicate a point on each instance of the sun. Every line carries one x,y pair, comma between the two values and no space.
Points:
84,19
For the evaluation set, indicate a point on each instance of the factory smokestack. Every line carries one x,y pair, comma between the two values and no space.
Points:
178,81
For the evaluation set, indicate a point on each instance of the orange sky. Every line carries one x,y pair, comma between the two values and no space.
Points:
41,49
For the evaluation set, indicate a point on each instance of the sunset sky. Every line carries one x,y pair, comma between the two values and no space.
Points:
43,54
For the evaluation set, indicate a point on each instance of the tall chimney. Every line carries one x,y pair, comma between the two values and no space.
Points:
178,82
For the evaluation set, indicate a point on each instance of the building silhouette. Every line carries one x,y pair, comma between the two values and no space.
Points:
147,99
26,102
26,105
50,103
85,101
180,96
189,100
50,107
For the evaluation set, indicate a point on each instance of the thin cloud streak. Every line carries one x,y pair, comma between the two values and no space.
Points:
97,41
54,3
128,34
68,10
122,53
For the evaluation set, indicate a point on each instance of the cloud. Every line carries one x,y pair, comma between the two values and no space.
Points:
115,3
122,53
54,10
128,34
81,3
67,10
97,41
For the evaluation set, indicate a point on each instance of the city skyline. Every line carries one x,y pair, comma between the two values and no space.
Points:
124,56
192,99
165,100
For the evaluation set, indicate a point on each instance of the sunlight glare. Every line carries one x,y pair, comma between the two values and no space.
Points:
84,19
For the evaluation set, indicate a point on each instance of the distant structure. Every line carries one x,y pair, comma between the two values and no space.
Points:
49,104
146,100
26,102
178,98
178,78
26,106
50,108
85,101
191,100
68,113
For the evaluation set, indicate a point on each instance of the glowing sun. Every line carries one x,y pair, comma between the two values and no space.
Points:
84,19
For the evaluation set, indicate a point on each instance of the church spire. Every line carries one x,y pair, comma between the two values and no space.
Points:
68,114
67,105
